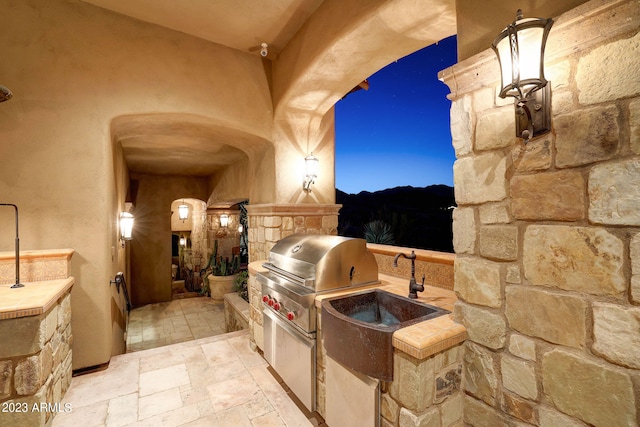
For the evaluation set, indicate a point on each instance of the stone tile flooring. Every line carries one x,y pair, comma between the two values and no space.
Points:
216,381
180,320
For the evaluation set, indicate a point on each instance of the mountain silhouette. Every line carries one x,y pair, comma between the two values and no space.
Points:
419,217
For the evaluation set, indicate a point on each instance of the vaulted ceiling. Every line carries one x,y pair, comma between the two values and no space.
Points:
237,24
242,25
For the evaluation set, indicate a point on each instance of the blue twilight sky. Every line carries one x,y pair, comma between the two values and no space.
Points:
397,133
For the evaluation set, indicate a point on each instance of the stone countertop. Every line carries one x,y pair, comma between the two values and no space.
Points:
425,338
33,299
37,254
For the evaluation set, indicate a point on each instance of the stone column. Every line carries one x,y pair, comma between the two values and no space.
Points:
268,223
546,234
35,365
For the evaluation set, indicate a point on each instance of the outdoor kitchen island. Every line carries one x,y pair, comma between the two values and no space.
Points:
427,361
427,367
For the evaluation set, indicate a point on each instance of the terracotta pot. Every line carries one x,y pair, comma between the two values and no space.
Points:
220,285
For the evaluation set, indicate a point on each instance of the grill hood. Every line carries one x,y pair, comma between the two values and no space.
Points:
322,262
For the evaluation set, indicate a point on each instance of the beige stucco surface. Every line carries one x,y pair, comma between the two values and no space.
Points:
73,68
151,243
93,89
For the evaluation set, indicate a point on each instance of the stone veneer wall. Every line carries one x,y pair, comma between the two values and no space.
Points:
35,351
547,234
270,223
236,313
437,267
267,225
35,365
424,392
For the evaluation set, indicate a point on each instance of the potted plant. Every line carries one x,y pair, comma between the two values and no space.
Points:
240,285
218,276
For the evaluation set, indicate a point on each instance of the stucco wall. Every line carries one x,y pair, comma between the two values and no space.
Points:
232,182
342,44
120,255
151,239
72,68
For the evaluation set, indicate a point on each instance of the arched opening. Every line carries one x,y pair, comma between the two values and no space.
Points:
189,245
208,166
394,156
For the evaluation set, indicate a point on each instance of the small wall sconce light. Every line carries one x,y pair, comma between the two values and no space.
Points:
311,172
183,241
183,212
126,227
5,94
240,228
224,220
520,50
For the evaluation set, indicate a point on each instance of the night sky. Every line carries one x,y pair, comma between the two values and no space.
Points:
397,133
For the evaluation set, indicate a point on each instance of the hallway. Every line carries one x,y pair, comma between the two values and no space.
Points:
216,381
172,322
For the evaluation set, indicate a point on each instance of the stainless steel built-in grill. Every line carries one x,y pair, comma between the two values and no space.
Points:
300,267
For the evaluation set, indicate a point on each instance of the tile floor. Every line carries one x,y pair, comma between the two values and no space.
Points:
216,381
175,321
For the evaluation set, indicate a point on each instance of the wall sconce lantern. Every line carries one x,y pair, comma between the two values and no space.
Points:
311,172
183,241
520,50
126,227
183,212
224,220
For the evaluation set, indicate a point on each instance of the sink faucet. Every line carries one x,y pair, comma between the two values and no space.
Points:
414,288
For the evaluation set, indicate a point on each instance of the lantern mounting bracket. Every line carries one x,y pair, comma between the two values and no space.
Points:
533,114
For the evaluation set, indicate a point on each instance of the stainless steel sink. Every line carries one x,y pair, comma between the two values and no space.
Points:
357,329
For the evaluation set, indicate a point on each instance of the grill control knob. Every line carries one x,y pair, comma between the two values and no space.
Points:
276,306
271,302
265,298
291,315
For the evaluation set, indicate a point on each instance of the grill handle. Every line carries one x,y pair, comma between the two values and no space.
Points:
292,277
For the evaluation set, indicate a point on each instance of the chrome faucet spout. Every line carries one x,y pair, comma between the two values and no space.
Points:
414,288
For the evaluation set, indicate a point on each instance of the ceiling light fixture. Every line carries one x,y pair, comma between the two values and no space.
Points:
224,220
520,50
183,212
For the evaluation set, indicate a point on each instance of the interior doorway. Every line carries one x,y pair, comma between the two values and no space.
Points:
189,246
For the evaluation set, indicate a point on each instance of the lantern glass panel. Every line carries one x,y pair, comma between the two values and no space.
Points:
311,166
183,212
126,225
530,40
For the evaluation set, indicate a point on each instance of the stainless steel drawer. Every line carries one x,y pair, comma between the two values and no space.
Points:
292,356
